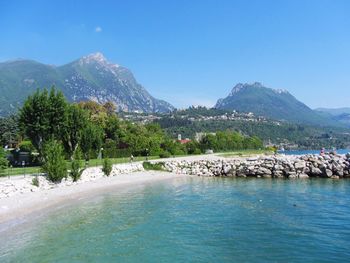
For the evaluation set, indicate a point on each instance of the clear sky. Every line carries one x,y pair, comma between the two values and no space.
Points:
194,52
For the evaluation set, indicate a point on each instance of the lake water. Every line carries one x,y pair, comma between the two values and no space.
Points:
193,220
302,152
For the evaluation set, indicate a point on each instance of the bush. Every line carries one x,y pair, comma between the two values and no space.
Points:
76,165
197,151
3,161
26,146
107,167
164,154
35,181
153,166
54,164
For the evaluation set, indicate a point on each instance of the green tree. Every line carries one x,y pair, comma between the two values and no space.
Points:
77,120
43,117
9,130
54,164
3,160
91,140
107,167
76,166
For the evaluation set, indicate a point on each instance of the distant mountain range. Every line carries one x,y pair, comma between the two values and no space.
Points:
340,114
93,77
275,104
89,78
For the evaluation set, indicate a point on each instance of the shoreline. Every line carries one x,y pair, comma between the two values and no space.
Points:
23,205
22,198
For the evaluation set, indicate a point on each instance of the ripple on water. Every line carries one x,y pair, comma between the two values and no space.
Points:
193,219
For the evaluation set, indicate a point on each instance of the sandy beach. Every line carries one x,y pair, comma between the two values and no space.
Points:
27,201
21,205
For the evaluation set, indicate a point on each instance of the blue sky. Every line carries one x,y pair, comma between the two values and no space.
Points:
194,52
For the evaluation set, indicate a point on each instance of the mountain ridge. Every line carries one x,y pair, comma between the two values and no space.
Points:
91,77
276,104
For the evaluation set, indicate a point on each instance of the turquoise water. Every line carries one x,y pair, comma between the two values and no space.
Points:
193,220
302,152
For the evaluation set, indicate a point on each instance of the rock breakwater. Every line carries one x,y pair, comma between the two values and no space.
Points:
279,166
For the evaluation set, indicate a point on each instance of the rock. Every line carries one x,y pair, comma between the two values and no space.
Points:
328,173
316,171
303,176
263,171
300,165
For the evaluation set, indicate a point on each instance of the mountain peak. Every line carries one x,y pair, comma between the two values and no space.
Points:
238,87
256,85
272,103
96,57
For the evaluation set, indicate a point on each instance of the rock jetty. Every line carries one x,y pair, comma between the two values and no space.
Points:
279,166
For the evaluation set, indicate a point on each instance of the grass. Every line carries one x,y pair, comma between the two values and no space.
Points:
30,170
21,171
153,166
244,153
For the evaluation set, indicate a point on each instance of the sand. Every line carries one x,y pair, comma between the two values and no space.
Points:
17,206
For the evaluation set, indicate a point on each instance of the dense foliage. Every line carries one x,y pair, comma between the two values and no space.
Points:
9,130
107,167
227,140
303,136
54,164
43,117
56,131
76,167
3,161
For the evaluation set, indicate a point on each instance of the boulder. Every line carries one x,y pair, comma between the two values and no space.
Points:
303,176
300,165
328,173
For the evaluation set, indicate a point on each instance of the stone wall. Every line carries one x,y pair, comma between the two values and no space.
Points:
325,166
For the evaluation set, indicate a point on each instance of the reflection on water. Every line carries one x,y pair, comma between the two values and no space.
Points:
194,219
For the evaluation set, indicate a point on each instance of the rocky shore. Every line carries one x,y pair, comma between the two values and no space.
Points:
20,185
279,166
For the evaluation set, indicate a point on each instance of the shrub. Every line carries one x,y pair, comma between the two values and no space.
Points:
153,166
3,161
35,181
164,154
197,151
76,165
107,167
26,146
54,164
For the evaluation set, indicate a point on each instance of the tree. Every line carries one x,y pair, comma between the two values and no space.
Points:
91,140
110,108
57,113
76,122
107,167
97,113
43,117
76,165
9,130
113,127
3,160
54,164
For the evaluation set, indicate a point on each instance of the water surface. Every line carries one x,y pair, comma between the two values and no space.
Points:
193,220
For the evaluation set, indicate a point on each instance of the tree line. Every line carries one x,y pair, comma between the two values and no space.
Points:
57,130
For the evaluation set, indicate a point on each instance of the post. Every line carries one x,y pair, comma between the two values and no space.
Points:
24,169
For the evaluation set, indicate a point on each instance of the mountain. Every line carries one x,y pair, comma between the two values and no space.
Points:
91,77
275,104
339,114
334,112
